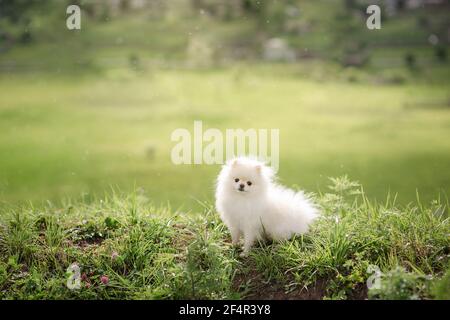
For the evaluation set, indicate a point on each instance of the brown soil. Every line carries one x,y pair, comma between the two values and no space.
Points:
263,290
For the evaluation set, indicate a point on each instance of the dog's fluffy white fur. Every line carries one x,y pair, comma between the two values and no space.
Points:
252,205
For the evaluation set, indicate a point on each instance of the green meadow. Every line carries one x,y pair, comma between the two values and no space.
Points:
86,175
88,110
74,136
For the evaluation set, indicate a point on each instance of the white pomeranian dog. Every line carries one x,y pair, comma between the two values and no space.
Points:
252,205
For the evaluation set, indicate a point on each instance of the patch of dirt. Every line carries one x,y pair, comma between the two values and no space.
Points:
90,242
259,289
184,236
359,293
86,234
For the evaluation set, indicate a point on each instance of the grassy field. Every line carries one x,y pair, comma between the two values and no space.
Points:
64,136
86,175
125,248
75,142
84,111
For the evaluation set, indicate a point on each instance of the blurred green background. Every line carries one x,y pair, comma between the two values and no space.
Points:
84,111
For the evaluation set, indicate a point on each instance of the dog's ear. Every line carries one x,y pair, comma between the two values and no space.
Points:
259,169
234,162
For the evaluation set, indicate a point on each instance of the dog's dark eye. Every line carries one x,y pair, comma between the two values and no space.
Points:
249,183
236,180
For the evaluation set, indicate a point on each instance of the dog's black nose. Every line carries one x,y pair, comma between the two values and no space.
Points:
241,186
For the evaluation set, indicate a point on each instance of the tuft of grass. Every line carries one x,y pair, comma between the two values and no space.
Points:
441,287
398,284
126,248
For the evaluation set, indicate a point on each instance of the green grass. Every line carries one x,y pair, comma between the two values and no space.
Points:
83,113
149,252
63,136
86,110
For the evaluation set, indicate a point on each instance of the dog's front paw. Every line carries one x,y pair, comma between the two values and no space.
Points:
243,254
235,243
